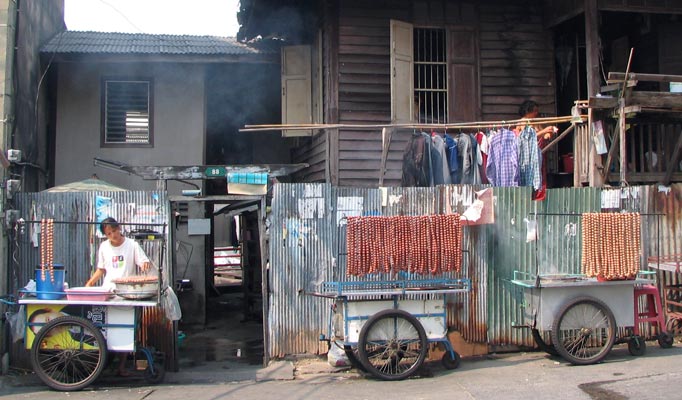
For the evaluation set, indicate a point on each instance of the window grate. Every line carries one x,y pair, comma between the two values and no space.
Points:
430,76
126,117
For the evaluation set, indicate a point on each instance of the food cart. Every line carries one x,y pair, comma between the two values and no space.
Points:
584,315
70,331
390,292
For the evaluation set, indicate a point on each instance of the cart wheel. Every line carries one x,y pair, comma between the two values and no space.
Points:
542,345
674,326
68,353
637,346
352,354
449,362
392,345
665,340
157,375
584,331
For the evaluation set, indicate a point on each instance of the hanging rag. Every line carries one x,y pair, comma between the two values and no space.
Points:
502,168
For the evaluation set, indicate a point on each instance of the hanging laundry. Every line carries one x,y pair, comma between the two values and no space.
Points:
474,176
482,141
530,159
441,169
502,168
453,156
541,193
415,169
428,144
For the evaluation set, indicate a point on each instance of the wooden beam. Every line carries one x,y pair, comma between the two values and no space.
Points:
623,150
672,161
386,136
609,156
656,99
603,102
619,76
592,46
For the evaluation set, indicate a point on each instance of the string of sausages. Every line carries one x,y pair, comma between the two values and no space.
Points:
427,244
611,245
47,248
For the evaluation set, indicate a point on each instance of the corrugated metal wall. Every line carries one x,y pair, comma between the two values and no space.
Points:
75,244
306,238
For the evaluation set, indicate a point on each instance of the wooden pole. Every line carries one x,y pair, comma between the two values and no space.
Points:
621,124
592,63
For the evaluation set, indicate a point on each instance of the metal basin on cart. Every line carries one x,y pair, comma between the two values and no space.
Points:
581,315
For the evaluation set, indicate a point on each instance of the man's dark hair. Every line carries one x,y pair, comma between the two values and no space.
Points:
108,222
526,107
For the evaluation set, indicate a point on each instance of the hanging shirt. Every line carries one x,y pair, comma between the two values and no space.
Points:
414,166
529,159
453,156
502,168
482,141
441,169
428,160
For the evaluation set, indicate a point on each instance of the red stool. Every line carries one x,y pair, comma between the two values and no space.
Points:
654,310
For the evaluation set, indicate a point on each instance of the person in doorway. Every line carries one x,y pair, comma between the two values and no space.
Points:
117,257
529,109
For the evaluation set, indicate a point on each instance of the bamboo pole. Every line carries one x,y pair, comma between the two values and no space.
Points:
439,127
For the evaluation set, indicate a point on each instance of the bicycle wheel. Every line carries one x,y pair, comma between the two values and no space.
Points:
392,345
584,331
68,353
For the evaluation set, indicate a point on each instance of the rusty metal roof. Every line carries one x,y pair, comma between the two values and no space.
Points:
82,42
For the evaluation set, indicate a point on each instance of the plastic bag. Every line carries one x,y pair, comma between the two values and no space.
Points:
17,324
171,305
531,230
336,356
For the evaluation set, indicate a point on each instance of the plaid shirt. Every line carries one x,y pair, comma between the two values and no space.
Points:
502,168
530,159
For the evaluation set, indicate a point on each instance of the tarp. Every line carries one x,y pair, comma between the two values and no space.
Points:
87,185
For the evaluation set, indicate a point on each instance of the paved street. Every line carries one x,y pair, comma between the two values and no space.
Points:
657,375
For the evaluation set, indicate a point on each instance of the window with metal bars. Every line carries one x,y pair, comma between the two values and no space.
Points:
430,76
127,113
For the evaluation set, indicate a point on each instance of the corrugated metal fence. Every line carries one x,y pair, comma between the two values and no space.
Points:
76,243
307,247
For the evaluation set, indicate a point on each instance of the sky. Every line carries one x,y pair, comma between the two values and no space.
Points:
179,17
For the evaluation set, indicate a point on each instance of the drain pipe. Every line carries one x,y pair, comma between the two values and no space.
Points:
8,35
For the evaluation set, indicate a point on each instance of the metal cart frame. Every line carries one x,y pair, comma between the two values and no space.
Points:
385,327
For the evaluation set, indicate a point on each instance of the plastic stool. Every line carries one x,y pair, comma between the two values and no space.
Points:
654,310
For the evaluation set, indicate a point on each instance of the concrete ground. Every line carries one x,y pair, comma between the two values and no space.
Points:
497,376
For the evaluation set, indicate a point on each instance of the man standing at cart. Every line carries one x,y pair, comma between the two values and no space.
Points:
117,258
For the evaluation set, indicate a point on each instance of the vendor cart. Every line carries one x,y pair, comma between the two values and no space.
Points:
390,295
584,317
69,351
385,327
70,331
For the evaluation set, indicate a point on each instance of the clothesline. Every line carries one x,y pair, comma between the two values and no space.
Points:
454,126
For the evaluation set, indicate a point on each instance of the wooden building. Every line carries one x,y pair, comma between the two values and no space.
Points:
374,63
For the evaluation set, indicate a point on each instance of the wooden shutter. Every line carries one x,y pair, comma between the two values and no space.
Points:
402,75
464,100
296,88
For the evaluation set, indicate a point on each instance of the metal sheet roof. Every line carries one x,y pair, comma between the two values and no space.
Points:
86,42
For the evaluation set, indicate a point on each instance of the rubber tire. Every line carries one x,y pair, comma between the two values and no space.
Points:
637,346
605,348
363,342
37,353
352,354
665,340
542,345
448,362
157,376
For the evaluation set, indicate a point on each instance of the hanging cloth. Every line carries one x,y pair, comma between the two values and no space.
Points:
453,158
482,141
441,169
414,173
530,159
502,168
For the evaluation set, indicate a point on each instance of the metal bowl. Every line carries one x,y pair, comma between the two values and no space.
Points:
136,290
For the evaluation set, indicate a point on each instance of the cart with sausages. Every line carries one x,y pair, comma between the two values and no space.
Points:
581,316
389,305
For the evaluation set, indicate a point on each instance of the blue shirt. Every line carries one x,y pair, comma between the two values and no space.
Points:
530,159
502,168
